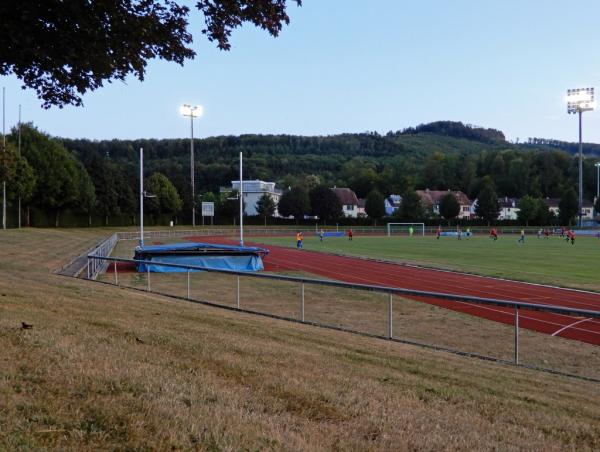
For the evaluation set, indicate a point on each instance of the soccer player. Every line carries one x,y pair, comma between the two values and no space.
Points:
299,240
438,232
350,234
494,234
410,231
546,233
321,235
522,238
458,232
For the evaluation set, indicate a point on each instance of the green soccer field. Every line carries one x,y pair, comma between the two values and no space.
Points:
551,261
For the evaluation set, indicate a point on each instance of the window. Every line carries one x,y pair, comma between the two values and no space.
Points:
465,208
349,207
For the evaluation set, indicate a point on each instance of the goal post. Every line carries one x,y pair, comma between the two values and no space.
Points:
404,228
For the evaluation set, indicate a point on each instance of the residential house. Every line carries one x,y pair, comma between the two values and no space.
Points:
432,198
349,201
508,208
253,190
361,207
588,208
392,204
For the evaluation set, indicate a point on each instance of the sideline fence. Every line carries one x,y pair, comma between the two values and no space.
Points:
289,288
103,250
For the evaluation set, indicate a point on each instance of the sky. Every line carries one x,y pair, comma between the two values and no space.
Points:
356,66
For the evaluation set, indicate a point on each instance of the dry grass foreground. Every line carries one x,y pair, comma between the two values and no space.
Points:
106,368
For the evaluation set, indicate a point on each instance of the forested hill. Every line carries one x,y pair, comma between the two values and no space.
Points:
440,155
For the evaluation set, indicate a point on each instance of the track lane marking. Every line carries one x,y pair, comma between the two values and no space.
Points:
569,326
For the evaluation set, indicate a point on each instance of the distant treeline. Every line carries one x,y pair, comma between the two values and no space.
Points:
100,178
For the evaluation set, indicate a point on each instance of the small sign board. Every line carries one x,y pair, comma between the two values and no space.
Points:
208,209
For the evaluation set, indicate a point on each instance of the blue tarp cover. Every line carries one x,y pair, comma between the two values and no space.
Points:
207,255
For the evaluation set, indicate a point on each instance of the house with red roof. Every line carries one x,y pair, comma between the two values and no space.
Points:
349,201
432,198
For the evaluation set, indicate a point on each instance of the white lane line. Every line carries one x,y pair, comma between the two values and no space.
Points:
569,326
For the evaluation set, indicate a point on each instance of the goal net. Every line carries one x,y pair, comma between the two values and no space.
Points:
405,229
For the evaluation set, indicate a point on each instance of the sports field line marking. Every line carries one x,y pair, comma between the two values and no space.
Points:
569,326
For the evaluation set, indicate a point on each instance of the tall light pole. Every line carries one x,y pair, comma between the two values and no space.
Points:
597,165
578,101
141,197
3,150
241,202
19,148
192,112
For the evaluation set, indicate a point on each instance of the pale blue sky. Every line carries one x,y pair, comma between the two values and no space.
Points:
353,66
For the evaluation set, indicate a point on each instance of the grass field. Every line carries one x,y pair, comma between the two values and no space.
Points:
106,368
550,261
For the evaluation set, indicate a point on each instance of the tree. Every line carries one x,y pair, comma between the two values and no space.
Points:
64,49
449,207
325,204
86,200
375,205
56,170
105,183
528,209
294,203
167,199
411,207
487,204
568,206
265,207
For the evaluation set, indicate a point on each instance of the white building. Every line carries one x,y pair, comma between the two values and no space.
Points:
253,190
508,208
349,201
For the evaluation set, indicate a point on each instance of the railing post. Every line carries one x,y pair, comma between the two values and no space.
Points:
238,291
116,275
390,312
148,277
88,268
516,335
188,283
302,302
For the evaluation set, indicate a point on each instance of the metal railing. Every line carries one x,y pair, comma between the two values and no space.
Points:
103,250
98,261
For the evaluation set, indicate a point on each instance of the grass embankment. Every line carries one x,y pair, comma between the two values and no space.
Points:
551,261
108,368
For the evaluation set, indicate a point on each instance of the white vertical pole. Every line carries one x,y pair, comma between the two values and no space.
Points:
192,164
516,335
302,302
188,284
19,201
3,150
116,275
238,291
241,203
580,171
390,321
141,197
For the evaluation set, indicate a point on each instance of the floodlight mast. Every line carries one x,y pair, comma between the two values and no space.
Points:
192,112
597,165
4,151
578,101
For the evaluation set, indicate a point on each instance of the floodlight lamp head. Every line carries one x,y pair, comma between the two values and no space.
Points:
580,100
191,110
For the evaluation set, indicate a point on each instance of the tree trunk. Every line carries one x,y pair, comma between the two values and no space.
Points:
105,220
57,218
89,220
28,218
265,221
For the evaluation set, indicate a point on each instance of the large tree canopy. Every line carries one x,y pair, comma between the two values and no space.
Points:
64,49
